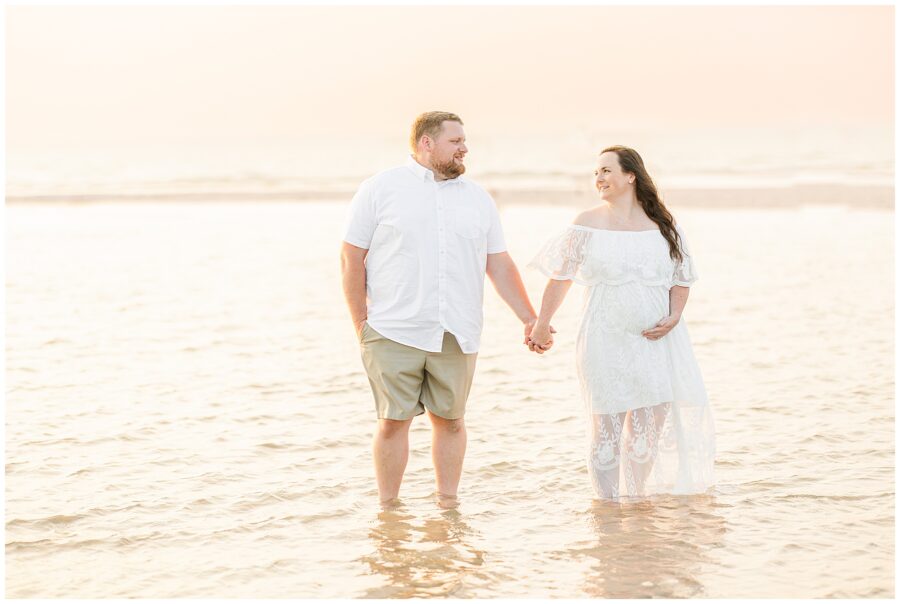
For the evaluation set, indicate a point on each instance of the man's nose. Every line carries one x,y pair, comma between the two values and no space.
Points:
463,148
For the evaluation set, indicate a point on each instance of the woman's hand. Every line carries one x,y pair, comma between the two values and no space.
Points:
664,326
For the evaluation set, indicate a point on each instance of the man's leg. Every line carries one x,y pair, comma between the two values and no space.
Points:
448,379
390,449
448,448
395,374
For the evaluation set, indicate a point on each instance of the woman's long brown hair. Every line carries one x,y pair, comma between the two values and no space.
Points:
648,196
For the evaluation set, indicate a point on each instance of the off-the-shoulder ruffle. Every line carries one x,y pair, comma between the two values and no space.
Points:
563,257
590,257
686,270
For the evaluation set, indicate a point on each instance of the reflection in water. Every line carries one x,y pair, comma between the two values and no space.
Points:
653,548
431,559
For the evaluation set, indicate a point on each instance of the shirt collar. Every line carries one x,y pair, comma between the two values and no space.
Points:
421,172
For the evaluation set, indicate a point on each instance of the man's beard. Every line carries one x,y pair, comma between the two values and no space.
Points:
449,168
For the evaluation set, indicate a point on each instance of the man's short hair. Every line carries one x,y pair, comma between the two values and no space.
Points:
430,123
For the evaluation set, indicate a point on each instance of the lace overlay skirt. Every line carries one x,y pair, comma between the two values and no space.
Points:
650,427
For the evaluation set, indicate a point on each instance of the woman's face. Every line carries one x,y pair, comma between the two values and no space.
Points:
611,181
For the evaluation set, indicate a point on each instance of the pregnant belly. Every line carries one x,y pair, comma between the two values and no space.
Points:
629,308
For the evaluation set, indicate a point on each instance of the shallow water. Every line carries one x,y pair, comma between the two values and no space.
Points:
187,416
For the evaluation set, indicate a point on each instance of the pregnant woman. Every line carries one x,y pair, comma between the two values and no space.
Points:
650,426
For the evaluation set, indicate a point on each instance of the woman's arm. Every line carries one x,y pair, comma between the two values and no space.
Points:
541,338
678,297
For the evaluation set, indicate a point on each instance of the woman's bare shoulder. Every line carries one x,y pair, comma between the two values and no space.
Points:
595,218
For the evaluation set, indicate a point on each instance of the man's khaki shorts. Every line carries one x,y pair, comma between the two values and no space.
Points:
406,380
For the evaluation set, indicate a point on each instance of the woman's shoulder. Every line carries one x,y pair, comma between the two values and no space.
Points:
598,218
593,218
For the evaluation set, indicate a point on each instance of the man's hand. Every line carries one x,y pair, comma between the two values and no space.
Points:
538,337
359,328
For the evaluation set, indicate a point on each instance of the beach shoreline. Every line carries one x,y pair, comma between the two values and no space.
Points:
861,196
864,196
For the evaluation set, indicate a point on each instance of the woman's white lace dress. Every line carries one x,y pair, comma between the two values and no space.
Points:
650,425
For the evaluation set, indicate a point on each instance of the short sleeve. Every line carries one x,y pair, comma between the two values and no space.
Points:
686,270
496,242
362,222
563,257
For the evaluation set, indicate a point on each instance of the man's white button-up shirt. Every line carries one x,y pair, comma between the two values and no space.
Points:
428,243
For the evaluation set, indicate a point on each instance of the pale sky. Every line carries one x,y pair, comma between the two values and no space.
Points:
107,75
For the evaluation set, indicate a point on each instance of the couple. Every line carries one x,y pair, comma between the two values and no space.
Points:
419,241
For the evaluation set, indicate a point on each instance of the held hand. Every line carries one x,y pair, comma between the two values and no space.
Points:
664,326
529,325
540,339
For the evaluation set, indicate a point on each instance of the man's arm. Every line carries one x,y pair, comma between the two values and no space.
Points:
508,283
353,273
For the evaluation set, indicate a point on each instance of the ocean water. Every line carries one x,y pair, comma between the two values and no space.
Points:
187,416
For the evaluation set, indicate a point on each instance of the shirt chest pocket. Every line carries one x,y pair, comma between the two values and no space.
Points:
466,222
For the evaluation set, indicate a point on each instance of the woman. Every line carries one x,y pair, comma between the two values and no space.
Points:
651,429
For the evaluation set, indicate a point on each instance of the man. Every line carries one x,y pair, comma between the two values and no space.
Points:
418,244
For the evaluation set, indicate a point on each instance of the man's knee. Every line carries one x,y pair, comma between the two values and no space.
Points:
390,428
452,426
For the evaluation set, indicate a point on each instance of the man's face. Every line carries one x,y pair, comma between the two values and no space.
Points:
449,150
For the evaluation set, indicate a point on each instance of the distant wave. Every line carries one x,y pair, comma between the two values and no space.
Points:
758,194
